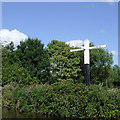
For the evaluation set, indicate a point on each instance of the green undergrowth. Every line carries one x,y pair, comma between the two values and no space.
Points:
64,99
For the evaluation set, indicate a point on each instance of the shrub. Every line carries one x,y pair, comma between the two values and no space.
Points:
14,73
66,99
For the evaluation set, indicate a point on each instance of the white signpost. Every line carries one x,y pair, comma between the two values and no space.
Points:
86,49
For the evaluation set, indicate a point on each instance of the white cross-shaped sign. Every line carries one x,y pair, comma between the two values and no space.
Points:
86,49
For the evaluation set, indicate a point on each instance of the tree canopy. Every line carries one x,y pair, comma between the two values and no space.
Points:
56,63
64,64
31,55
34,57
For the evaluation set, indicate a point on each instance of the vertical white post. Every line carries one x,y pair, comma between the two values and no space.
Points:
87,62
86,52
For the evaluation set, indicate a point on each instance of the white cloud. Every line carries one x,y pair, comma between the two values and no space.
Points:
114,53
7,36
75,43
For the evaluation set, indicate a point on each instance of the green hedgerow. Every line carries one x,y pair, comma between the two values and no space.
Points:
65,99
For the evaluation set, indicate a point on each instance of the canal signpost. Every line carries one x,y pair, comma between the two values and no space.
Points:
86,49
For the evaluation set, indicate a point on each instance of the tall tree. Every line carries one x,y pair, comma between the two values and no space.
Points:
64,64
100,62
34,58
11,70
31,55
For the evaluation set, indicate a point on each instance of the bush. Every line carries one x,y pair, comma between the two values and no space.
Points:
14,73
29,59
65,99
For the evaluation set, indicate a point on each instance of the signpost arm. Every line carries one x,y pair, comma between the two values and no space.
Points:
96,47
76,50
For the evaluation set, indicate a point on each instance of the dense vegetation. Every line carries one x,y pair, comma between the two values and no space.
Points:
65,99
51,80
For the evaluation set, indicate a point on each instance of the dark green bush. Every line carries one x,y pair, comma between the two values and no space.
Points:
65,99
15,73
29,60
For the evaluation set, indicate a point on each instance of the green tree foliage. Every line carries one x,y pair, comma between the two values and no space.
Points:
57,61
115,76
70,65
10,47
32,56
64,64
29,55
8,54
100,63
15,73
11,70
116,72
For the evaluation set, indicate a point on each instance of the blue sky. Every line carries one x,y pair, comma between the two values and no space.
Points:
65,21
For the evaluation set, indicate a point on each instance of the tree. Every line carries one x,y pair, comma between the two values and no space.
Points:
100,64
11,70
115,76
64,64
32,56
70,65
